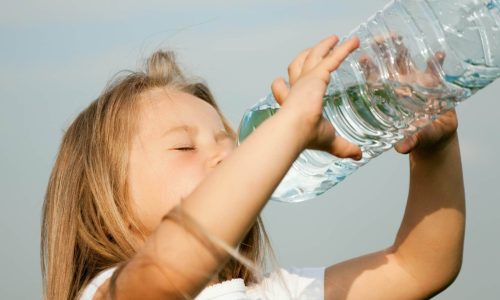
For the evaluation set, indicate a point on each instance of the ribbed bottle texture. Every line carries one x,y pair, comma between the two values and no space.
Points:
417,59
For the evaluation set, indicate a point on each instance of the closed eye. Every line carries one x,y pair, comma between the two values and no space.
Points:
186,149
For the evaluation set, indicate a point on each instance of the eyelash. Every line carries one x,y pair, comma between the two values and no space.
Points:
183,148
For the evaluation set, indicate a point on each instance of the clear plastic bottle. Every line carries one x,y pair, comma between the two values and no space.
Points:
417,59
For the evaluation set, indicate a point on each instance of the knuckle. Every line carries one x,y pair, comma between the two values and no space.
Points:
315,51
335,62
276,82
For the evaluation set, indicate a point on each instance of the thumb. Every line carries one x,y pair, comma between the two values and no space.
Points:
336,144
342,148
280,90
407,145
326,139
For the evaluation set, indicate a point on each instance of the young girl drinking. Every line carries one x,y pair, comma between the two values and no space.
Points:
146,199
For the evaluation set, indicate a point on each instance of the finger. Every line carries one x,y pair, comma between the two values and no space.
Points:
280,90
407,145
364,61
324,46
434,63
333,61
384,43
342,148
403,59
383,39
295,67
370,70
319,51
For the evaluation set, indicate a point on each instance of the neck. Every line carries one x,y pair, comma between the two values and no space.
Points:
214,280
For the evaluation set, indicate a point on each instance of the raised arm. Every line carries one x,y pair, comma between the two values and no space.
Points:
427,253
173,262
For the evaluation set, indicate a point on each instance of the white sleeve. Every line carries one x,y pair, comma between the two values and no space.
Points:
291,283
90,290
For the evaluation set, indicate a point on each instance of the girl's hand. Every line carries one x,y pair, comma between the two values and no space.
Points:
432,137
309,75
403,69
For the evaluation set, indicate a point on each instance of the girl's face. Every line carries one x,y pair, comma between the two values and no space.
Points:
180,139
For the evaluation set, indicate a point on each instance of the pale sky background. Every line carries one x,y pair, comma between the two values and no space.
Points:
56,57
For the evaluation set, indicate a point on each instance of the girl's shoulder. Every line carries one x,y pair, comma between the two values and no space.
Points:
283,283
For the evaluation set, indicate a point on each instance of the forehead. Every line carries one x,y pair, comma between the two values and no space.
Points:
167,107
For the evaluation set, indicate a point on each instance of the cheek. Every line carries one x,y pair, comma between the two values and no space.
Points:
185,173
161,186
146,190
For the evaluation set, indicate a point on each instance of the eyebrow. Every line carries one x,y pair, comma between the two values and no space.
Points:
193,131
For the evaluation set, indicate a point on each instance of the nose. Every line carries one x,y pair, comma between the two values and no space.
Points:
219,153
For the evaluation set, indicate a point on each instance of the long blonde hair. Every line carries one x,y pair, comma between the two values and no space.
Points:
87,222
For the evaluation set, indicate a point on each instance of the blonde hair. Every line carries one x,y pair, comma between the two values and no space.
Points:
87,221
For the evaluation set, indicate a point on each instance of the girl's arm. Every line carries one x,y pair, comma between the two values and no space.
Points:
427,253
174,263
225,205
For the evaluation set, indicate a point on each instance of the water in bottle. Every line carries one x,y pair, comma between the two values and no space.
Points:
417,59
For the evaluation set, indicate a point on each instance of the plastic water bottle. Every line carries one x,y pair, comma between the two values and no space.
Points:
417,59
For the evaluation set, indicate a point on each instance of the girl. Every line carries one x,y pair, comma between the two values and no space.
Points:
145,201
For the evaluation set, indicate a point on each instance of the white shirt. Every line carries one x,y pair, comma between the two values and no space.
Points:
295,283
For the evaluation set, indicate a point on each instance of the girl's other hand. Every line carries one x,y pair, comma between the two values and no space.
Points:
403,69
432,137
309,75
